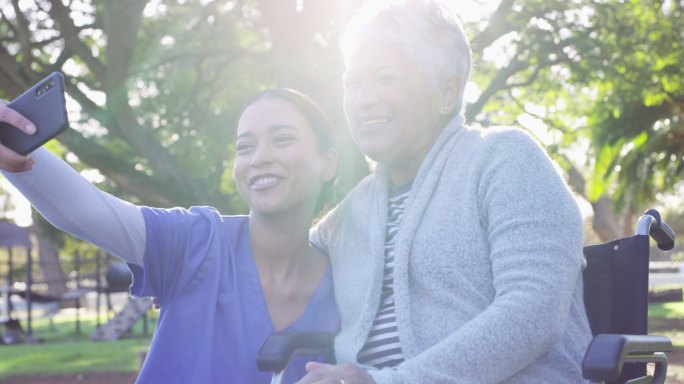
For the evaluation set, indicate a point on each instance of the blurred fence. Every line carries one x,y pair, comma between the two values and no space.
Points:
25,289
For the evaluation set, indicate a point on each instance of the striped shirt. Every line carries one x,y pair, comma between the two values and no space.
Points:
382,348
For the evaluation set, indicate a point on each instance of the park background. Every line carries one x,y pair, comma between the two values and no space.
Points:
154,88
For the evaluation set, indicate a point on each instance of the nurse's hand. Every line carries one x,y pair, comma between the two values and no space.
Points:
319,373
9,160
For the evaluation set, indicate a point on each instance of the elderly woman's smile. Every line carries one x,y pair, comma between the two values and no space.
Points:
392,111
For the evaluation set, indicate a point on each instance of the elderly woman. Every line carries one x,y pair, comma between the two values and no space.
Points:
459,260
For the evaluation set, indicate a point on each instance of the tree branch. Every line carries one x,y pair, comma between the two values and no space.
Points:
60,13
117,169
23,34
499,25
497,84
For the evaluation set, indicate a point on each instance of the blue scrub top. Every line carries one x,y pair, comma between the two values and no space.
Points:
213,317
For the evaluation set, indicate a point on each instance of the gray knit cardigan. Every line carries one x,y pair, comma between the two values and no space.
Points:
488,261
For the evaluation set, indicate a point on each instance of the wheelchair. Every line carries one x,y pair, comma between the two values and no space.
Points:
616,301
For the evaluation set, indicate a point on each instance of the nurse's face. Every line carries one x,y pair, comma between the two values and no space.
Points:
278,165
393,113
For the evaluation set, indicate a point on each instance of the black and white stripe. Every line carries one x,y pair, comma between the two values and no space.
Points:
383,348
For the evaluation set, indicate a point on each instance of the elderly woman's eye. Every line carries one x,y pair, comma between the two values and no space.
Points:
386,79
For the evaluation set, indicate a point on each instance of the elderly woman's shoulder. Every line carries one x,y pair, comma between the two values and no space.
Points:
505,136
364,186
498,132
362,191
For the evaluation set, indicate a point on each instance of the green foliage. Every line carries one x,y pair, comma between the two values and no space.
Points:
608,72
157,86
636,60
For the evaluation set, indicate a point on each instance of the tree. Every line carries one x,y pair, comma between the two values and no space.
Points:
638,121
605,79
157,85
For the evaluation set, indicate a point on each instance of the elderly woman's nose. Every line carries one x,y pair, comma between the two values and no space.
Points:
365,95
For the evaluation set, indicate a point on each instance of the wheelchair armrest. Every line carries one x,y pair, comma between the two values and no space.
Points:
607,354
281,346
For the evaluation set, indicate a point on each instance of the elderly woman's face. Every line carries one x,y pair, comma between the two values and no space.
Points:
393,113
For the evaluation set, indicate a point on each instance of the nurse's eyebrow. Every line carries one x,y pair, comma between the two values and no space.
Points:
281,127
273,128
244,134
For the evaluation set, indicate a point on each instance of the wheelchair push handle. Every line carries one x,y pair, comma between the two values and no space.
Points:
651,224
279,348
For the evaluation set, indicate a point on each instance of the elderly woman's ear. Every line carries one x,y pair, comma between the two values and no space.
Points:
450,91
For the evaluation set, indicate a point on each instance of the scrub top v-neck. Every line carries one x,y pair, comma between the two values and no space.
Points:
214,318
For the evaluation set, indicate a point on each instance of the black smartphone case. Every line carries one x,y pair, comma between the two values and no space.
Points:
44,104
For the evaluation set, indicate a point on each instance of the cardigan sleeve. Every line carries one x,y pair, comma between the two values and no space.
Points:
325,234
535,232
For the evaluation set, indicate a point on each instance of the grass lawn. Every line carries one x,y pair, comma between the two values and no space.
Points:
668,319
666,310
62,351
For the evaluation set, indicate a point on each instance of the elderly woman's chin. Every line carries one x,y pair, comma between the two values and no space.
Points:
375,148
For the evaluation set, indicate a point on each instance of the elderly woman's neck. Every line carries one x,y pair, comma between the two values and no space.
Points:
401,175
404,172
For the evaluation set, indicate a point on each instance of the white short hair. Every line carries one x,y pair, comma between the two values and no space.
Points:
420,29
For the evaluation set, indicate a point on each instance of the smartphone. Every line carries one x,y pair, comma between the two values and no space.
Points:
44,104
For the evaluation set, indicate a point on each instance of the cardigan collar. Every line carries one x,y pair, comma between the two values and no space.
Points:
424,185
452,126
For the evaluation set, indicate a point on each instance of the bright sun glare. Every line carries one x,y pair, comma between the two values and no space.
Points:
467,10
471,10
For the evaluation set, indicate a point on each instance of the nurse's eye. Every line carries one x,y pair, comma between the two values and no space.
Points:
283,140
244,147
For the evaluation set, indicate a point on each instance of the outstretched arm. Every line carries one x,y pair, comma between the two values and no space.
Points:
70,202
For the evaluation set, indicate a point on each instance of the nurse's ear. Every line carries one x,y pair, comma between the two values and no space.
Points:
330,163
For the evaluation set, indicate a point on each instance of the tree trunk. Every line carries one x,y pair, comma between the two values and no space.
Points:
48,262
606,223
